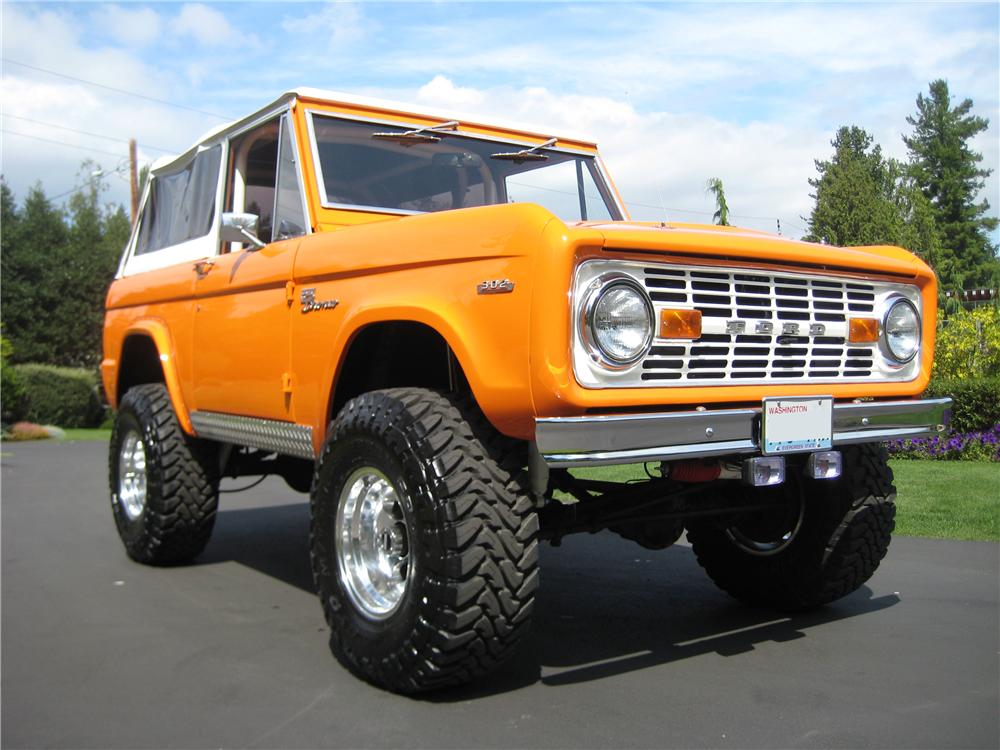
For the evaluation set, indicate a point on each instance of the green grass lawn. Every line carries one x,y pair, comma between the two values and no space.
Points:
937,499
85,433
948,499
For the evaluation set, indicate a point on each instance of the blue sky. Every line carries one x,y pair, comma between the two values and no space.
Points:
674,93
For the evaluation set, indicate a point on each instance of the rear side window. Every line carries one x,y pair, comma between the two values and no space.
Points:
181,205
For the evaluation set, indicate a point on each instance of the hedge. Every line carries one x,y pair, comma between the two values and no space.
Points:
62,396
13,397
977,402
974,434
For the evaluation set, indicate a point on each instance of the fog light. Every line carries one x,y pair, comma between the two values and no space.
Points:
825,465
764,471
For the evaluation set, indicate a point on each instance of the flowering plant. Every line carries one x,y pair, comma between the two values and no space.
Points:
967,446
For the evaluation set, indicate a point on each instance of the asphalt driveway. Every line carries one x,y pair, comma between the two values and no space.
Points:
630,648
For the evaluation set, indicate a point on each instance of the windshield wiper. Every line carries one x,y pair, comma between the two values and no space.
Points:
419,135
528,154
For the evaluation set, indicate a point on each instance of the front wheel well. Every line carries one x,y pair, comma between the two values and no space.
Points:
139,364
395,354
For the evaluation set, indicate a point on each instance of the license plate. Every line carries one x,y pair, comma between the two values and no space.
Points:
794,425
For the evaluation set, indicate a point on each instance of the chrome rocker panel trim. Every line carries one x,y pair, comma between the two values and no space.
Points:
266,434
634,438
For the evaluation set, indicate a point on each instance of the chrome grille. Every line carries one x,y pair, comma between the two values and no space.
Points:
760,327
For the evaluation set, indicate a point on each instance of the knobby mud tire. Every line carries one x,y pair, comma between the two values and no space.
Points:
473,540
182,482
844,535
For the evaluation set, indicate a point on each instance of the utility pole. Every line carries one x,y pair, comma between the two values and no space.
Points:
133,179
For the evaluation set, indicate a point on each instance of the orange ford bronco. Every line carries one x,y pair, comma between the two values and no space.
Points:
429,323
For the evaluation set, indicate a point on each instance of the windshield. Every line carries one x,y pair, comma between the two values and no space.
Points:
375,167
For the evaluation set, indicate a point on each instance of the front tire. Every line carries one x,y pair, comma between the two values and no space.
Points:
826,545
423,543
164,484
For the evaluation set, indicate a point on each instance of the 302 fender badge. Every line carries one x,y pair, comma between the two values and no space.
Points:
496,286
310,304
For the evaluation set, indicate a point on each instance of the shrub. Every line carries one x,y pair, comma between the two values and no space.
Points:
977,402
968,344
13,398
61,396
974,433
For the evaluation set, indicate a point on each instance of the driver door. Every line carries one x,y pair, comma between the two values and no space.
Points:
242,315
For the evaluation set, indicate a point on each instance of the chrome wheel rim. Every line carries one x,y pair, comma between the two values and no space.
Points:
372,543
132,475
771,539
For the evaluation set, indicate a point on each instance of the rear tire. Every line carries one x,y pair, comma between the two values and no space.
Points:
817,556
438,587
164,484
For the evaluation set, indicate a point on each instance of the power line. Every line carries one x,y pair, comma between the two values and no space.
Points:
84,132
113,88
85,185
710,213
60,143
76,189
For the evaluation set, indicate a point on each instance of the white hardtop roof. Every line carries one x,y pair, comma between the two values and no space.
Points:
337,97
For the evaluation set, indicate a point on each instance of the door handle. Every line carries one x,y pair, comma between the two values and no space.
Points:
202,267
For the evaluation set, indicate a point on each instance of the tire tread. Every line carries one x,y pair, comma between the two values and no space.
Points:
182,484
838,549
480,591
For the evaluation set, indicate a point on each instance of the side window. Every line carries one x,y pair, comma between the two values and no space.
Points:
181,204
567,189
253,166
289,215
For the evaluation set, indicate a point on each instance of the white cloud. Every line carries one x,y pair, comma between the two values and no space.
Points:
54,41
205,25
440,91
674,95
339,24
663,159
131,27
701,53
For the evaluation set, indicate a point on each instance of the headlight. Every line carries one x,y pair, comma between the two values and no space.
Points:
901,330
619,322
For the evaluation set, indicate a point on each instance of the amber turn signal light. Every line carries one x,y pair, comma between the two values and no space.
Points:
680,324
863,331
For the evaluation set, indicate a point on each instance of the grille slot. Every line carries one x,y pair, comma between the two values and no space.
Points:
778,327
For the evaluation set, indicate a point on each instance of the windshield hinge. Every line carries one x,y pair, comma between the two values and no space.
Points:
418,135
527,154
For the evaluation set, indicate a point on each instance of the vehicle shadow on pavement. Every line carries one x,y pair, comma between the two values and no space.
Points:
273,540
606,607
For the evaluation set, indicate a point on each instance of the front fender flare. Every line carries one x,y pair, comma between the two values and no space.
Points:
156,330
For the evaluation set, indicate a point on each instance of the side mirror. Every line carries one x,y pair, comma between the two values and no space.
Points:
241,228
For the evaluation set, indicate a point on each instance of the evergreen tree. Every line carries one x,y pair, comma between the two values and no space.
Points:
56,271
857,201
946,171
31,249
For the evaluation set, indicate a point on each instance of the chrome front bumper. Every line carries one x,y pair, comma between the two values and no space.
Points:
633,438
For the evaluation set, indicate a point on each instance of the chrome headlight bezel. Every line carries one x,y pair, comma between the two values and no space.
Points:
598,289
885,347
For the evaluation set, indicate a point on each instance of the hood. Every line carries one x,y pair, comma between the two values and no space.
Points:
737,244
